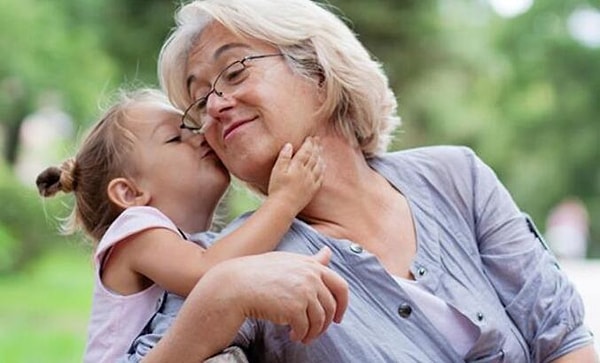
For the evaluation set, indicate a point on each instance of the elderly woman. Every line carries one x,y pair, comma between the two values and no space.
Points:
442,266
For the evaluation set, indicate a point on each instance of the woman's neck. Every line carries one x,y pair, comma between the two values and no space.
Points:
350,187
358,204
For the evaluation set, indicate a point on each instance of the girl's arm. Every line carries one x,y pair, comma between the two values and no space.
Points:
160,255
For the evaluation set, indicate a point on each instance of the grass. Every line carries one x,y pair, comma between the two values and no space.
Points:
44,309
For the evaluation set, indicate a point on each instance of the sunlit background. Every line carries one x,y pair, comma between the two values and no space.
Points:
516,80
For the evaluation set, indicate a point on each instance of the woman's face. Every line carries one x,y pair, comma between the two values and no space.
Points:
253,119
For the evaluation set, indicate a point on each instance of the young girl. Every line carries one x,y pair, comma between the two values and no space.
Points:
142,186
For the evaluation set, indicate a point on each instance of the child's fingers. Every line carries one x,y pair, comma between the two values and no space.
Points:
305,151
314,159
283,159
315,162
319,171
308,161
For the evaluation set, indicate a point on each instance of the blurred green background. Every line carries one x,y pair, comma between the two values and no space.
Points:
518,81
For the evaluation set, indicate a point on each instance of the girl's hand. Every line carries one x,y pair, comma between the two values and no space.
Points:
296,179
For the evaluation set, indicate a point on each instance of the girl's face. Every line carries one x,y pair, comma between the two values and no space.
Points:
251,120
179,169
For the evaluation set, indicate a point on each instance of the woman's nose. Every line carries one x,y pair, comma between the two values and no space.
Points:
219,102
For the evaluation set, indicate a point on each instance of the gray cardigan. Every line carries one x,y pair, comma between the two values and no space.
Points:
475,250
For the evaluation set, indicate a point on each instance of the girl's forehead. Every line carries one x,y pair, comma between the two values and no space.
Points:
153,114
152,124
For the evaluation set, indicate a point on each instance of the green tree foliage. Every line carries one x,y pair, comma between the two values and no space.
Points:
548,104
43,51
81,51
28,225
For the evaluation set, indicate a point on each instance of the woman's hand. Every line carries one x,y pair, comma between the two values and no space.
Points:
290,289
286,288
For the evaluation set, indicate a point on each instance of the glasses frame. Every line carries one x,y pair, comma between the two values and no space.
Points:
199,129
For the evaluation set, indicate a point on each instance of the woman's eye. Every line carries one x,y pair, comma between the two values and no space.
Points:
235,74
201,105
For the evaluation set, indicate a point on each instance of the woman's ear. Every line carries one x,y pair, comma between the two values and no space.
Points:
125,193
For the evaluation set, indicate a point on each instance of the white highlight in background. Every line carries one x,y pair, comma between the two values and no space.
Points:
584,26
510,8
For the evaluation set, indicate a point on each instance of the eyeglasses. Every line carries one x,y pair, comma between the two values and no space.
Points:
227,80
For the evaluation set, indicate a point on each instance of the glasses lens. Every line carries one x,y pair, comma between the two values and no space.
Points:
191,118
230,77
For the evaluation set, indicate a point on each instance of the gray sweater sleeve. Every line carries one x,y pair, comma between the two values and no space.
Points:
537,295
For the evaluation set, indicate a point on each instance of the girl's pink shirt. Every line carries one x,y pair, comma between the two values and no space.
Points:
116,320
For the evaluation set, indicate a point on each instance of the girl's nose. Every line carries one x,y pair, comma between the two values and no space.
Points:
196,139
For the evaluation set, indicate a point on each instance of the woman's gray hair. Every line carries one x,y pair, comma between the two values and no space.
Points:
358,99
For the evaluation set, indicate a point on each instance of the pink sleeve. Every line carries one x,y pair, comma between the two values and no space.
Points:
133,220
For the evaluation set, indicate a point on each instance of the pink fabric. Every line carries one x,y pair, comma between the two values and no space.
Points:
459,331
116,319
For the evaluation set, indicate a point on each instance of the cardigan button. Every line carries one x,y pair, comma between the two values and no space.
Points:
356,248
404,310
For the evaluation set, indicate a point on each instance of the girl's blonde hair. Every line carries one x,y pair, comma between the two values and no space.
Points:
359,101
104,155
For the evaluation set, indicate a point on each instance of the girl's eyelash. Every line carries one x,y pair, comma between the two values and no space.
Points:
174,139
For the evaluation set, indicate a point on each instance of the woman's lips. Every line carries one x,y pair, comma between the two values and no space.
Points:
234,126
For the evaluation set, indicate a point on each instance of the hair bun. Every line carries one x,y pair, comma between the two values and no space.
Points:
48,182
54,179
67,179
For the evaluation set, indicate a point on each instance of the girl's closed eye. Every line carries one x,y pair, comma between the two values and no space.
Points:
173,139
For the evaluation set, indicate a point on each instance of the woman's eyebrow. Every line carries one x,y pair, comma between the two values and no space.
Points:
226,47
216,55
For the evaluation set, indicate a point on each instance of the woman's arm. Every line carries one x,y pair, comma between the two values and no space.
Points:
285,288
536,293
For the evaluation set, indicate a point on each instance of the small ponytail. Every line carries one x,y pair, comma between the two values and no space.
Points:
57,179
